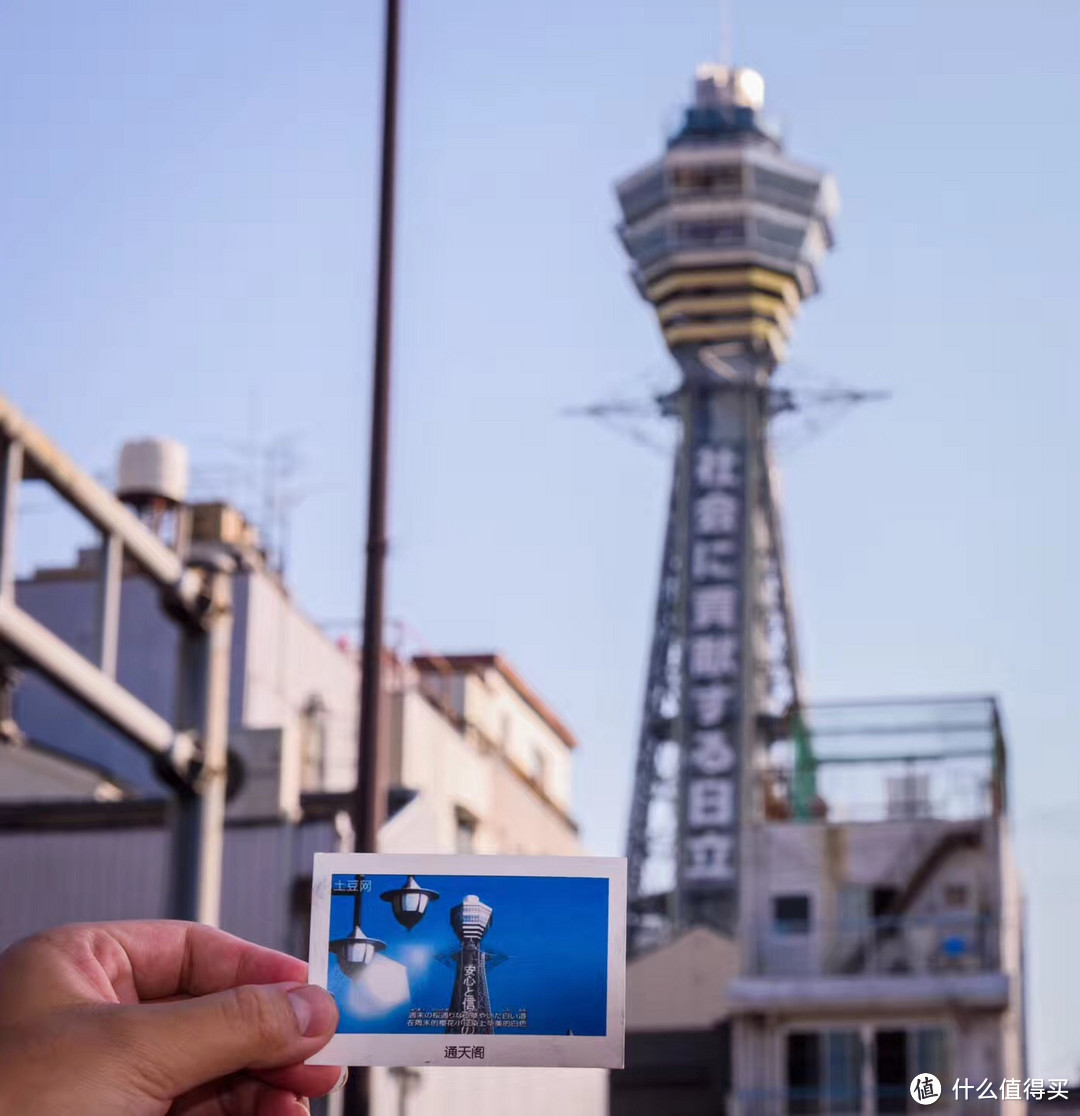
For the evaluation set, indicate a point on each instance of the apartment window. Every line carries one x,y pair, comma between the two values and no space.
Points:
882,904
891,1071
791,914
465,830
929,1048
312,743
538,766
824,1073
898,1057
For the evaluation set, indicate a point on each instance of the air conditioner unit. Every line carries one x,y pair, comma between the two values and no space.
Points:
907,796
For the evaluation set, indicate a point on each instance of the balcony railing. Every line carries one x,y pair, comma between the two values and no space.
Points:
897,760
909,945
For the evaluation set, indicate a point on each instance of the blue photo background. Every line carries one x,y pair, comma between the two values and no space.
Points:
550,935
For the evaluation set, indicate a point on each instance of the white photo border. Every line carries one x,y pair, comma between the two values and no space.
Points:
499,1050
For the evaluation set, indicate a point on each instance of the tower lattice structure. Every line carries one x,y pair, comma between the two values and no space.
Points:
726,234
470,1005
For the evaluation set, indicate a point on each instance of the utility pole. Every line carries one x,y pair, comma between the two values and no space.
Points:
367,807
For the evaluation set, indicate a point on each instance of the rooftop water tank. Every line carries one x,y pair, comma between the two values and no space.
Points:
152,469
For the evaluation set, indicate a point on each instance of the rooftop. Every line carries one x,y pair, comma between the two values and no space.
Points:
478,663
890,760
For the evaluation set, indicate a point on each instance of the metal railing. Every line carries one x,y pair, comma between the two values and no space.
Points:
907,945
192,752
897,760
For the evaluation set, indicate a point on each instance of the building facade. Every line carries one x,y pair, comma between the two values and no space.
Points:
881,936
491,765
476,761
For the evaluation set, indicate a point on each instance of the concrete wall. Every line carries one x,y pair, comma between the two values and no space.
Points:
522,822
456,767
287,662
29,773
496,1091
821,861
1013,1034
435,757
501,714
103,874
280,660
683,985
146,665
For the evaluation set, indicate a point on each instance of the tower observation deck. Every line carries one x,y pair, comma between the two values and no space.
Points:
726,234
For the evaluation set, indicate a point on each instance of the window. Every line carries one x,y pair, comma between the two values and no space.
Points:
643,197
824,1073
791,914
312,743
882,901
956,895
899,1056
724,180
538,766
703,234
465,830
790,193
929,1050
803,1072
645,247
891,1071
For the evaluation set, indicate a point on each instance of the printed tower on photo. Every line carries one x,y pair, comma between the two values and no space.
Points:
470,1006
726,234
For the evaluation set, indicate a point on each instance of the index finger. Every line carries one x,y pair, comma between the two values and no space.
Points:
130,962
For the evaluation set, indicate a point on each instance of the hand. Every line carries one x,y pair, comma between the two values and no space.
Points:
148,1018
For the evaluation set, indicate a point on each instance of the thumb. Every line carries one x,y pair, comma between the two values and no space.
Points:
187,1043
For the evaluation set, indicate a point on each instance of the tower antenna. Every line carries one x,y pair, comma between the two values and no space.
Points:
727,48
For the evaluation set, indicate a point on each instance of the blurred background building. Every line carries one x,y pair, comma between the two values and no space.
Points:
476,761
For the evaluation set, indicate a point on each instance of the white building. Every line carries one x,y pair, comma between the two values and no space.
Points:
880,935
883,937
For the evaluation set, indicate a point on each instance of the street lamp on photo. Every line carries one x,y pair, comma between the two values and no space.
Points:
409,902
356,952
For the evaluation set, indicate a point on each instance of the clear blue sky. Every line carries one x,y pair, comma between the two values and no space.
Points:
186,248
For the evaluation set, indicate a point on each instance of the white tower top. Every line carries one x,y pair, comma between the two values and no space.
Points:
716,85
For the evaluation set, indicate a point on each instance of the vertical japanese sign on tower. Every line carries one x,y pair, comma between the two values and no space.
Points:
714,654
726,234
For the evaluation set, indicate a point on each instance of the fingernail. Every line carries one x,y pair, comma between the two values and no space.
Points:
315,1010
340,1084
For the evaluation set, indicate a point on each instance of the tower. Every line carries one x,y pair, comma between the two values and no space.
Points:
470,1006
725,234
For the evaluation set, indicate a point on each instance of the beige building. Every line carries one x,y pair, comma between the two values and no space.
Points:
490,763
